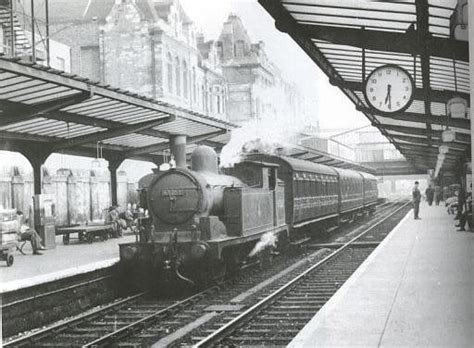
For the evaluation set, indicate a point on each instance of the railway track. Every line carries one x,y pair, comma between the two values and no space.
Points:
277,318
142,320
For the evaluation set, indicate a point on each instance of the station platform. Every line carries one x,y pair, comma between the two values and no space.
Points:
61,262
415,290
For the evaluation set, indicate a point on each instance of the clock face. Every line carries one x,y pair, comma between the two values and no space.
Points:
389,89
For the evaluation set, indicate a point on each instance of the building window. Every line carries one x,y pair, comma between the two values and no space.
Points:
90,62
178,77
176,25
204,104
61,63
220,49
185,80
170,73
239,48
210,100
194,85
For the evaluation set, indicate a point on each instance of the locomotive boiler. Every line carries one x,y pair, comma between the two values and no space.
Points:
203,222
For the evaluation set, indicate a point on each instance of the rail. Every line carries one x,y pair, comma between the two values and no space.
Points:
36,335
228,328
108,339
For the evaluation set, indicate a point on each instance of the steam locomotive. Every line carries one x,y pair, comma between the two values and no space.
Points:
204,223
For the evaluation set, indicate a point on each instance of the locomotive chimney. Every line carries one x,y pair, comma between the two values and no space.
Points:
178,149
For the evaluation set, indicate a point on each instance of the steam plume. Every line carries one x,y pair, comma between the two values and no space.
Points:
263,136
268,240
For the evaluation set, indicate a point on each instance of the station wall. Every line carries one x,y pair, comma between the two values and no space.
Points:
80,197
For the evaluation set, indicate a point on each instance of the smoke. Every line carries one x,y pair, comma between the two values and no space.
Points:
268,240
264,136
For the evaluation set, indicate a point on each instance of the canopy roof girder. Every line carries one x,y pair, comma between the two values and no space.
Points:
407,42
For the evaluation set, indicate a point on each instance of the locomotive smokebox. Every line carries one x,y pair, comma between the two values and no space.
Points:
204,159
178,149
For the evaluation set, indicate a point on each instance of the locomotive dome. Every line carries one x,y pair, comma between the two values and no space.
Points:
204,159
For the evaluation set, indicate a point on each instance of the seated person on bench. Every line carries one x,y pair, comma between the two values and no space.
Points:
29,234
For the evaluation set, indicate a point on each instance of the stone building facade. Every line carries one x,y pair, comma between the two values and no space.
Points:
255,85
151,47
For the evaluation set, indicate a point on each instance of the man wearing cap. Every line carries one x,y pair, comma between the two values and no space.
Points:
416,198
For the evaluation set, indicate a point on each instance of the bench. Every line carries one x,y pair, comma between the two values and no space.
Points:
85,232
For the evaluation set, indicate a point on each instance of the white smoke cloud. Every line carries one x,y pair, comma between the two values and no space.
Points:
267,136
268,240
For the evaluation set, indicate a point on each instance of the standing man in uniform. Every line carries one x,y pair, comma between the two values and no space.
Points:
416,198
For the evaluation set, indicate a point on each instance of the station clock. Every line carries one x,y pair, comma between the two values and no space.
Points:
389,89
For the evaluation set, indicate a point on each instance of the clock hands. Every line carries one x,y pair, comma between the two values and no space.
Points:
388,98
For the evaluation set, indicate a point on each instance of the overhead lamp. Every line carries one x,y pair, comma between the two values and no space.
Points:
97,162
457,107
459,21
448,135
443,149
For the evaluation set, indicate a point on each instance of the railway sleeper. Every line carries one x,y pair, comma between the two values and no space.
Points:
98,330
270,325
52,344
288,331
247,340
300,313
139,311
326,293
107,323
124,316
305,297
298,307
130,345
80,337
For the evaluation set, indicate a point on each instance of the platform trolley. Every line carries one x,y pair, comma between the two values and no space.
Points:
8,235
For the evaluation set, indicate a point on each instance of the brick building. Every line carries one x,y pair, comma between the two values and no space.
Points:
152,47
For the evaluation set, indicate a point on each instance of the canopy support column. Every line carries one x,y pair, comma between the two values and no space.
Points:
471,69
113,166
36,157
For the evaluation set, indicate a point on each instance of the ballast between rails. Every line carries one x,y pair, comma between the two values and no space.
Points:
225,330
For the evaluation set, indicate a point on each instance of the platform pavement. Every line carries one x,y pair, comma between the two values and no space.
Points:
415,290
63,261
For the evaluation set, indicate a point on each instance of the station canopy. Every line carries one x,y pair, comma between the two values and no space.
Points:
348,39
45,110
